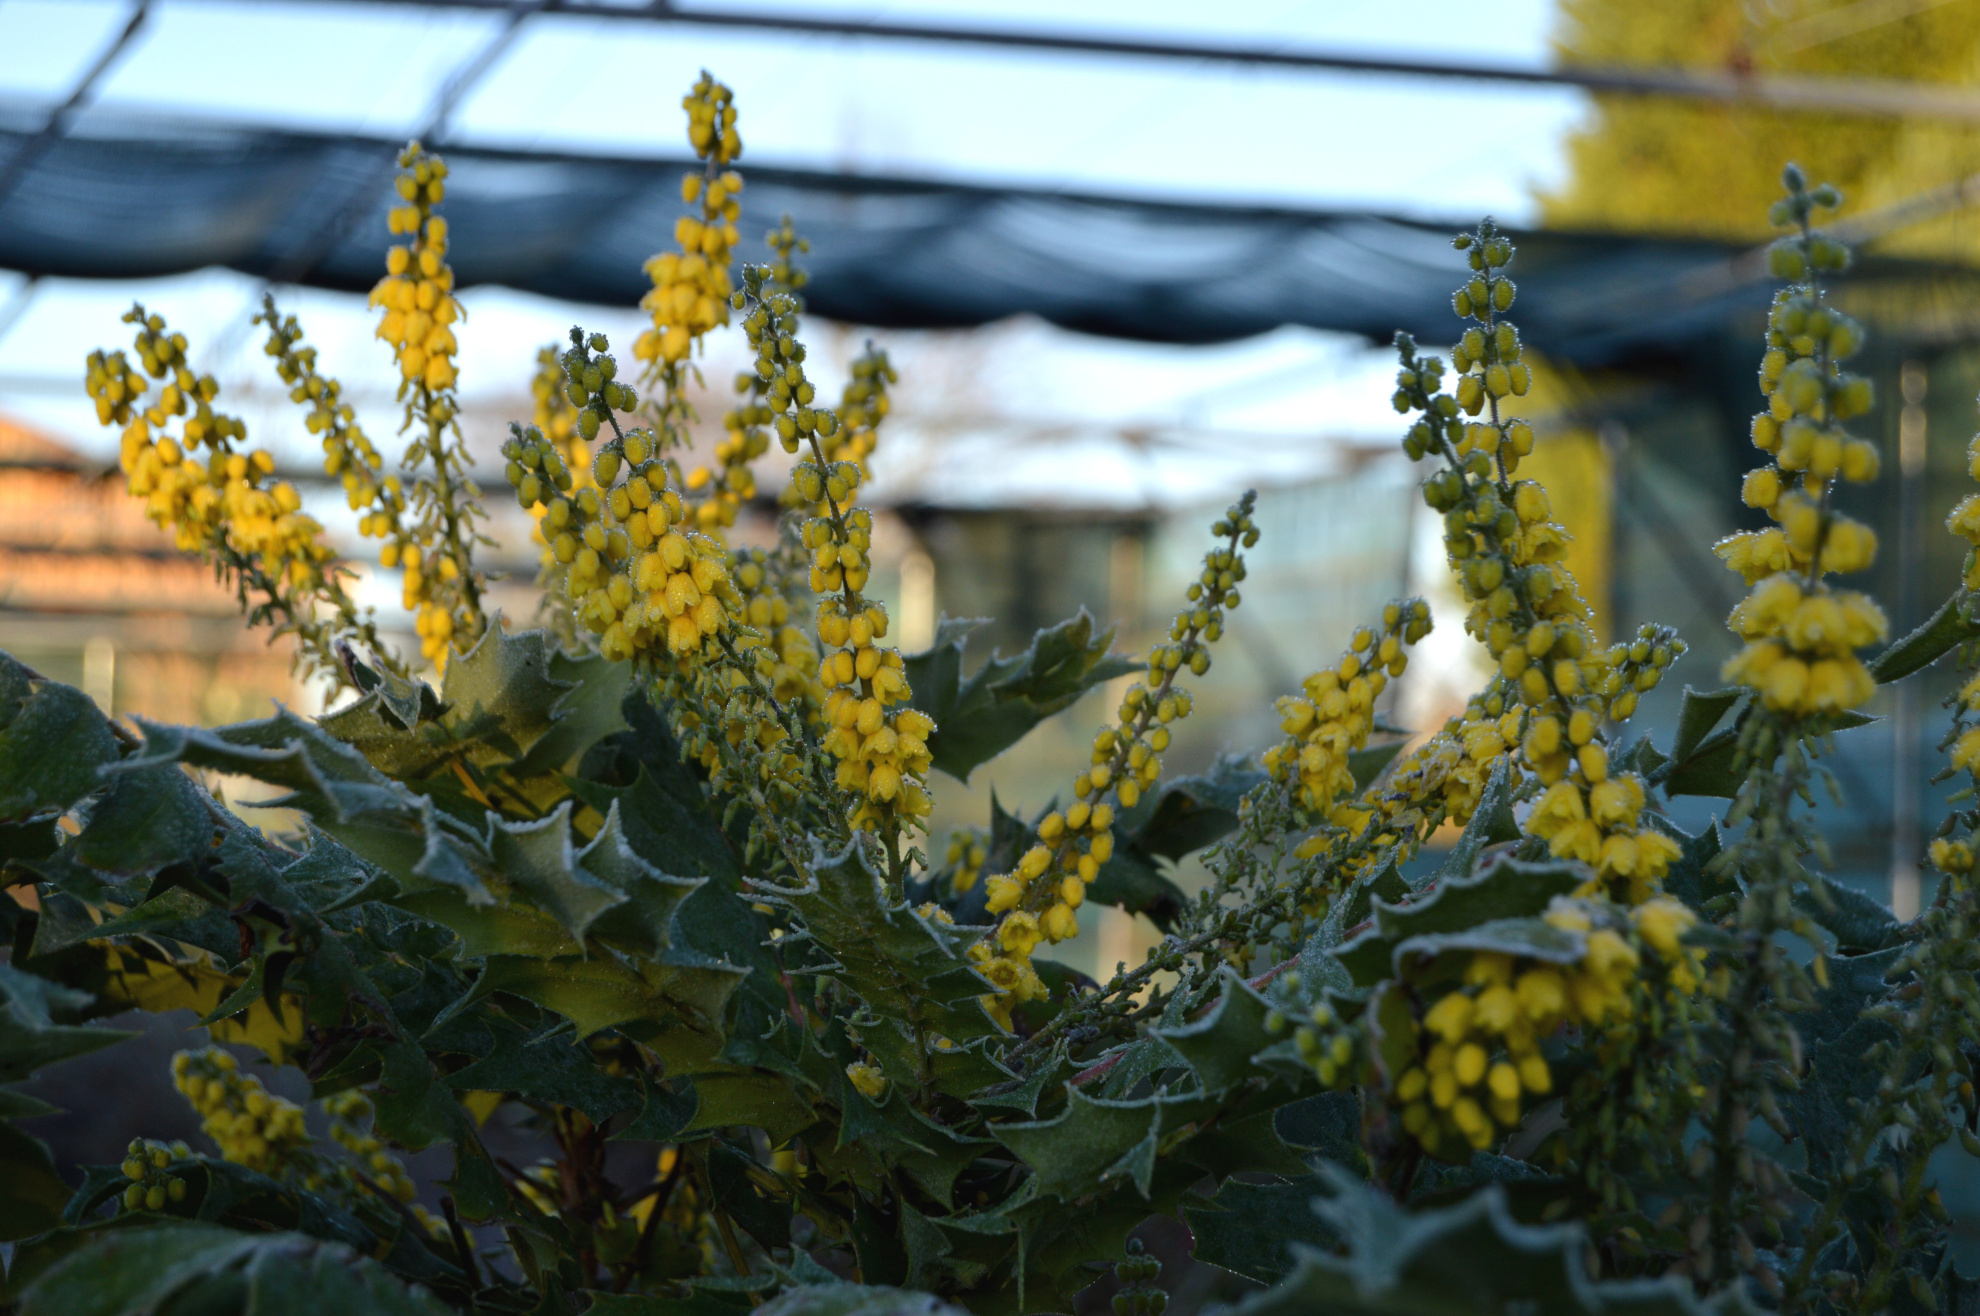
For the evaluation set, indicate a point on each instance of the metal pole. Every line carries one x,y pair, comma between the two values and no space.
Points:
1905,893
58,119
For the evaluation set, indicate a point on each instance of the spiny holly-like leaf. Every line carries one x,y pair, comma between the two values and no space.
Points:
1473,1258
548,1067
1508,889
377,818
666,824
1190,812
1701,759
685,996
1834,1037
508,928
855,1300
537,860
981,717
1220,1045
218,1272
644,920
32,1031
32,1194
892,1130
53,742
145,821
1095,1144
908,970
501,690
1531,938
1699,713
1250,1228
1857,922
591,708
1948,628
1691,877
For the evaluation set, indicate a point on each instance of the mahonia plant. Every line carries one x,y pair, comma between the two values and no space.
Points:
634,917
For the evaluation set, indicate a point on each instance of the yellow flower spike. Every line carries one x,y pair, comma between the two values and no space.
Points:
1802,636
1336,717
215,496
418,307
1049,882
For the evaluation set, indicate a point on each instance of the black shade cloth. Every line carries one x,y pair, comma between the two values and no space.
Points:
300,207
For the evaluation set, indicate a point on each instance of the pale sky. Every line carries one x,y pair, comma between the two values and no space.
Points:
1158,129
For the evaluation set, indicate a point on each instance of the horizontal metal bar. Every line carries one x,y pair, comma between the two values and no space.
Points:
1878,98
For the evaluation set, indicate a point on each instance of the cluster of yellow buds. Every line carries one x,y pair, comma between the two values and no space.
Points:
786,657
1542,711
417,291
1479,1063
1965,521
731,482
1487,355
968,851
637,575
880,744
1337,711
252,1127
350,1114
862,406
1039,900
348,454
867,1079
216,500
556,416
215,495
1802,635
1953,857
690,294
436,555
151,1187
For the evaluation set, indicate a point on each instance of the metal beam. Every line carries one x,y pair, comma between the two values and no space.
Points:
58,119
1855,97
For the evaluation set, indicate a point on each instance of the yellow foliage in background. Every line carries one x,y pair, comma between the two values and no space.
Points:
1695,167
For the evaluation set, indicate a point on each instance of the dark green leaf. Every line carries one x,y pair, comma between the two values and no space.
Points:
537,860
1181,818
687,995
1220,1045
764,1218
146,821
855,1300
32,1195
1699,711
1947,629
1133,882
133,1272
51,751
549,1068
981,717
1191,812
1093,1143
909,970
644,920
1508,889
1370,762
31,1034
1857,922
1250,1227
1457,1261
668,1110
